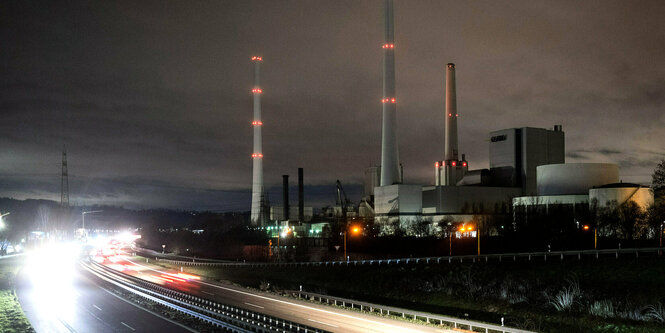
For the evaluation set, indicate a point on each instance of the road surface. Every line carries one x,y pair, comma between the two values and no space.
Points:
319,316
70,299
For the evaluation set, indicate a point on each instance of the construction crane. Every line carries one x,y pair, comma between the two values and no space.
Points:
342,200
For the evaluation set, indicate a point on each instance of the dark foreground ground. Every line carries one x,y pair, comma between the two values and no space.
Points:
591,295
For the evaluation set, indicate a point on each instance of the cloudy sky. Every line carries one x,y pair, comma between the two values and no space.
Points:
153,98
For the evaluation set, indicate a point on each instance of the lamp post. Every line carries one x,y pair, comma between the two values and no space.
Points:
478,236
83,216
345,258
354,230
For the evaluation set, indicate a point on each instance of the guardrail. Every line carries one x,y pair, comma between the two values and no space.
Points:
404,313
229,317
545,256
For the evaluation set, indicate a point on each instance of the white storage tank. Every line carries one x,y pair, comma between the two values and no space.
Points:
574,178
621,193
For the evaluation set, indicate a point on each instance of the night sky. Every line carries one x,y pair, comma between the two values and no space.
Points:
153,98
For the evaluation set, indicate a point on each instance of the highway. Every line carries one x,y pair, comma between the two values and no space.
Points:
71,299
319,316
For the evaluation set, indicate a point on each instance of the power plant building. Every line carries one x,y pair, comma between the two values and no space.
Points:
515,154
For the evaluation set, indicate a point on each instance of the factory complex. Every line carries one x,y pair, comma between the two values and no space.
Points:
526,170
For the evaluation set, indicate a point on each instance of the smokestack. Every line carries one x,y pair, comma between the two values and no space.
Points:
451,114
390,167
285,189
257,155
301,197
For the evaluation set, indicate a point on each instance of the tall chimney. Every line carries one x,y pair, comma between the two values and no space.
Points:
285,191
390,167
451,114
257,155
301,197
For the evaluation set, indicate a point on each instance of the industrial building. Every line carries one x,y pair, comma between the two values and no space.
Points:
575,184
526,167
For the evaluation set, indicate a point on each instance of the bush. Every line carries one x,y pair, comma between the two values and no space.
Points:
655,312
566,298
603,308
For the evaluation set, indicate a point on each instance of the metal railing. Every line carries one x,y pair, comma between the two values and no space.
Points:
229,317
404,313
529,256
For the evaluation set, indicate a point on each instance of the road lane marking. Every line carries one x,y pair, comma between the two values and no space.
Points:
130,303
320,322
394,327
258,306
96,307
205,292
131,328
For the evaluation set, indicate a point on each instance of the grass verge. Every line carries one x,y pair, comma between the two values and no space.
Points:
12,319
524,293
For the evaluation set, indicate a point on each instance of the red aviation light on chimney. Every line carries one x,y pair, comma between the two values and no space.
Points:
257,58
257,123
388,46
453,163
389,100
257,90
257,155
456,115
436,165
463,164
450,115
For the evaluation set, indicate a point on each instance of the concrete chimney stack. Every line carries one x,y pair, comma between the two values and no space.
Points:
257,156
301,197
390,166
285,189
451,150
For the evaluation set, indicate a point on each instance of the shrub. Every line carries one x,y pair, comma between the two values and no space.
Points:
565,298
603,309
655,312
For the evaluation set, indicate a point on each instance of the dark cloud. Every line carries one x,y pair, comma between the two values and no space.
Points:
152,98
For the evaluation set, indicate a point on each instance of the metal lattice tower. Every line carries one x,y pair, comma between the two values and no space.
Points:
64,181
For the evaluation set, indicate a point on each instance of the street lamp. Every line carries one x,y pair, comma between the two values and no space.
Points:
83,216
586,227
354,230
163,248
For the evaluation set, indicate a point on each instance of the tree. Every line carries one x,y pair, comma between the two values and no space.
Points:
658,180
655,218
43,217
608,219
631,220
